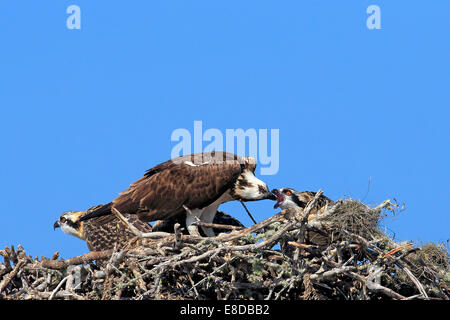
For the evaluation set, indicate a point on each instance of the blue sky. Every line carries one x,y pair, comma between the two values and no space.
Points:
85,112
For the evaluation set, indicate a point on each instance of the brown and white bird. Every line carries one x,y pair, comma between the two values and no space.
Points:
291,198
107,232
100,233
199,182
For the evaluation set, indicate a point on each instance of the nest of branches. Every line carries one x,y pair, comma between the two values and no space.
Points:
340,254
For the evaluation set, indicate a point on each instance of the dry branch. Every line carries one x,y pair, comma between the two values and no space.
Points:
272,259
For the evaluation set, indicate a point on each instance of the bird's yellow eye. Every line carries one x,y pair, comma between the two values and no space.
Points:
288,193
63,219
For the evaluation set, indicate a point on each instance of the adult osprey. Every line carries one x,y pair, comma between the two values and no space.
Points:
199,182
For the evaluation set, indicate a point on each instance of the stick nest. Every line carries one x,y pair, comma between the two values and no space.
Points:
341,254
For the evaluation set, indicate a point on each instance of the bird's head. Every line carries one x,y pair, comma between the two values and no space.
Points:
288,198
70,223
248,187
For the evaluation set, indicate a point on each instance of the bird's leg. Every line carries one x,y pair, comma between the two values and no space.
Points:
207,216
190,219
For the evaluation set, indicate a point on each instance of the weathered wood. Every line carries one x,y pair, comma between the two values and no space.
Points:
272,259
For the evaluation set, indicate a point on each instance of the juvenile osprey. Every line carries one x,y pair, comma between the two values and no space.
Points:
106,232
290,198
100,233
200,182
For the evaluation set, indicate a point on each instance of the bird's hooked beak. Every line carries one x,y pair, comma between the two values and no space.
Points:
278,196
270,196
56,225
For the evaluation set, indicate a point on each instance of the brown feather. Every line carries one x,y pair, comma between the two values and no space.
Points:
105,232
161,193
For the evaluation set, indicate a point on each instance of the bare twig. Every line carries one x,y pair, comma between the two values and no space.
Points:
58,287
11,275
85,258
357,261
139,234
248,212
216,225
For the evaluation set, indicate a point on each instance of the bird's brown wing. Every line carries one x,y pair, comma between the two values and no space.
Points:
196,183
322,201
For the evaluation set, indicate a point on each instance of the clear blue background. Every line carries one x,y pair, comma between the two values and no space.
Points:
85,112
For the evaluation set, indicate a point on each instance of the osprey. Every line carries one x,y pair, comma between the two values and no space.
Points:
100,233
291,198
197,182
107,232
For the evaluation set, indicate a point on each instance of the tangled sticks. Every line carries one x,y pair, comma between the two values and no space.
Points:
341,254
